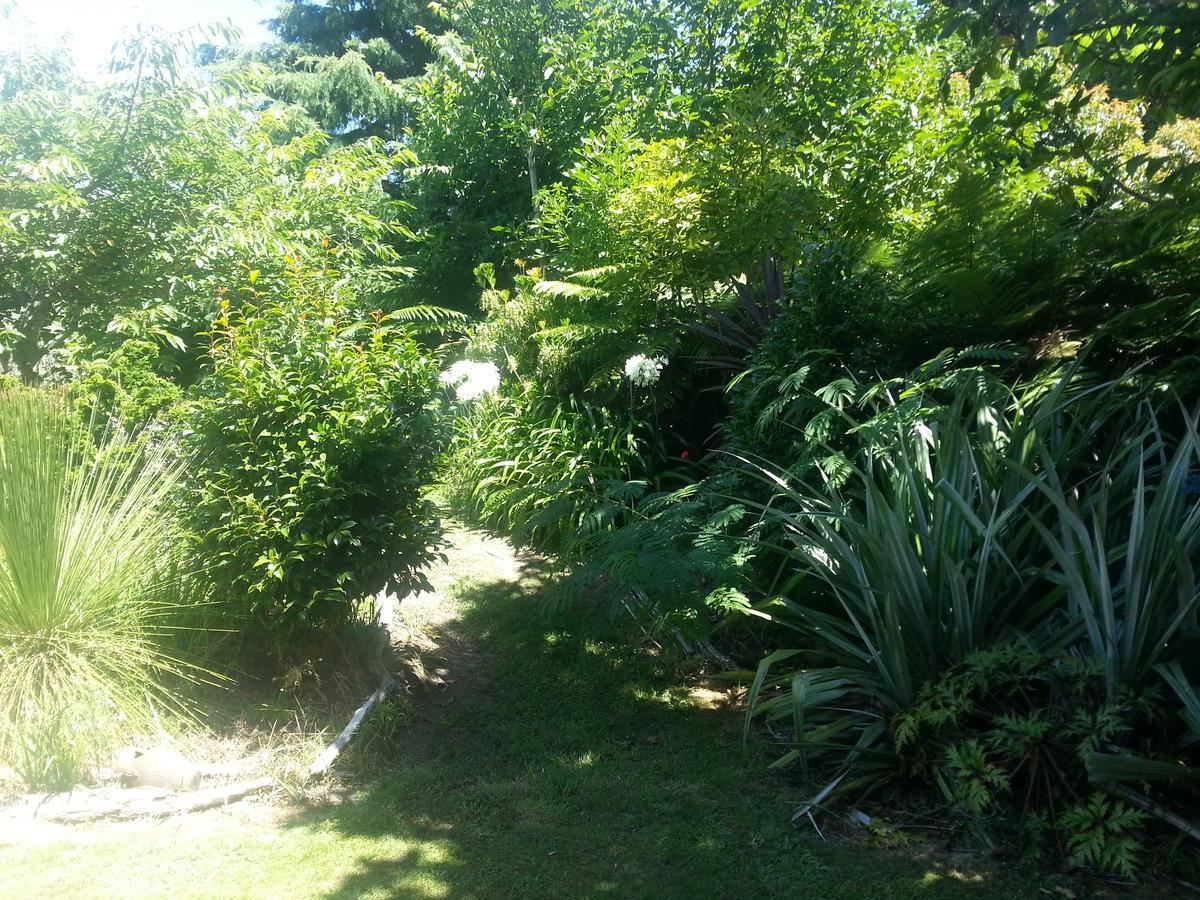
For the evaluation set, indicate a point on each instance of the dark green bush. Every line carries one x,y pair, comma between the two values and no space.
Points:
1006,735
676,563
313,436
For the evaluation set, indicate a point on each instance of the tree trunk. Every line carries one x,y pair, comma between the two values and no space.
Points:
533,176
27,350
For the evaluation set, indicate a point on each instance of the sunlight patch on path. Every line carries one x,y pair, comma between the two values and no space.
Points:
469,556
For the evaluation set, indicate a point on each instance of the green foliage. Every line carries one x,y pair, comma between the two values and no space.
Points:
1125,551
553,474
129,207
314,435
126,387
946,540
1146,50
1189,700
896,576
561,456
672,565
907,518
89,563
1004,734
573,336
512,89
782,208
1100,834
345,62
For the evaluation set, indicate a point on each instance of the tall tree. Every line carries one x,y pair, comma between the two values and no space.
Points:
515,88
343,60
129,208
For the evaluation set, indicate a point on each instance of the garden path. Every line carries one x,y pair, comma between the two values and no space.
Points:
542,757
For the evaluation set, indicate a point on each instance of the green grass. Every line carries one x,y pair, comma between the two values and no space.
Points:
576,767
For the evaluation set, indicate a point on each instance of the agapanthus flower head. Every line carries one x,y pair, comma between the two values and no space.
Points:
644,370
471,379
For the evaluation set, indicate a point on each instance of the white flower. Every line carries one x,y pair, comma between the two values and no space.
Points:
643,370
471,379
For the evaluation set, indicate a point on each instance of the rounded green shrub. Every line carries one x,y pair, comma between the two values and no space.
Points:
125,386
313,435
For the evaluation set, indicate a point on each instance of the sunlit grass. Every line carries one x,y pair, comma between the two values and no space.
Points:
561,775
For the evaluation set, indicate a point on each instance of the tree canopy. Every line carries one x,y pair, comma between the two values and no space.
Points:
131,207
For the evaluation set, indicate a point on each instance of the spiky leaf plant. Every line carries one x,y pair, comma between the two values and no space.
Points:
1064,518
903,574
87,560
1125,548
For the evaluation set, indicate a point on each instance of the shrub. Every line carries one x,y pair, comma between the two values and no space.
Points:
1007,734
125,387
895,577
314,434
89,555
673,563
1061,515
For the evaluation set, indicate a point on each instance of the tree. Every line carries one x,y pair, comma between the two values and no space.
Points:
343,61
1148,50
130,208
514,89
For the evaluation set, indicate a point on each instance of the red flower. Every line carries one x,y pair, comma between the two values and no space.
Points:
684,455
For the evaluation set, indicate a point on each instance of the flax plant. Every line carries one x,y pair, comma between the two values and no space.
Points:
1067,522
900,575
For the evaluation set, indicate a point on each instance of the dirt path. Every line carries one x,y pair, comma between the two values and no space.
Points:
438,663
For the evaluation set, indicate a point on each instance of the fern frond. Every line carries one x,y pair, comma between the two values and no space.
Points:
590,276
427,314
566,289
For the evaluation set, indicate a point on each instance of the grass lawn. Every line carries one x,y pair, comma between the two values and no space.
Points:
565,766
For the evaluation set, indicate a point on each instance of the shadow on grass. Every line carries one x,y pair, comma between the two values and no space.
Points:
580,767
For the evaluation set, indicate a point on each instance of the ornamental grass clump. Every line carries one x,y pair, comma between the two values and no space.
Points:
88,559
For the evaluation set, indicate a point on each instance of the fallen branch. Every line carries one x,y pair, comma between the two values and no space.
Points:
330,753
